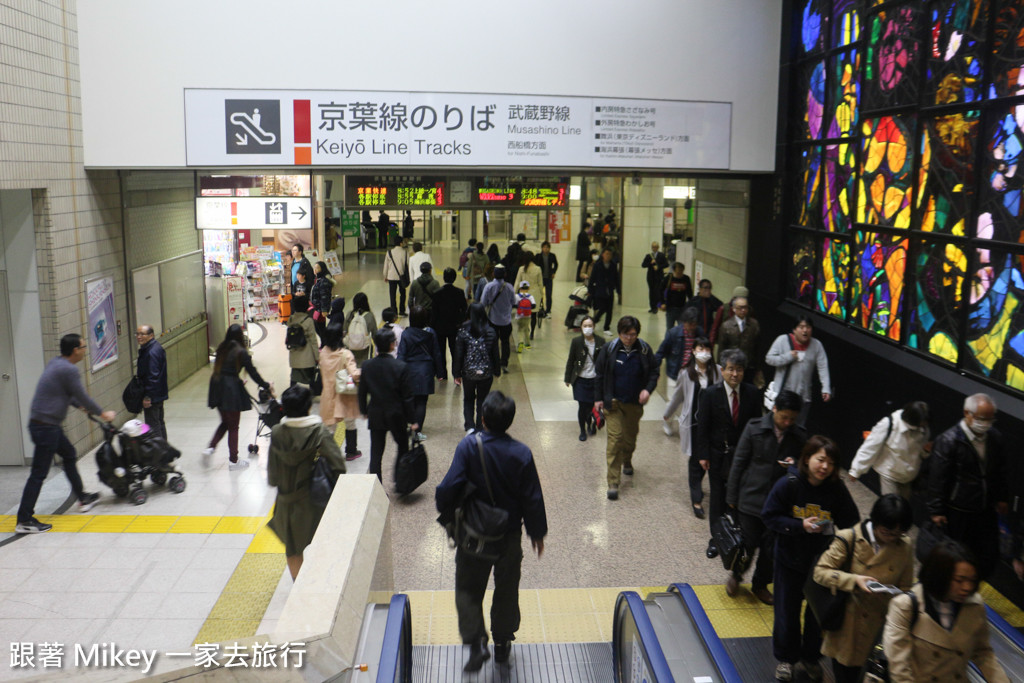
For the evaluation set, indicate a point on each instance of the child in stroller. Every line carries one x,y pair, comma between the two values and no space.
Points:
142,454
580,298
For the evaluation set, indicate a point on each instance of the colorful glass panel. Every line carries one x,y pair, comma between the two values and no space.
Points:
876,285
955,59
999,208
809,197
1007,51
844,91
933,321
845,22
833,277
801,267
886,159
812,26
995,317
946,179
838,173
810,105
892,55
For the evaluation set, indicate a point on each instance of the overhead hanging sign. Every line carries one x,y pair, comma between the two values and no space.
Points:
240,128
253,213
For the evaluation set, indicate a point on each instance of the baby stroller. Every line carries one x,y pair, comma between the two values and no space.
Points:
269,413
580,298
140,454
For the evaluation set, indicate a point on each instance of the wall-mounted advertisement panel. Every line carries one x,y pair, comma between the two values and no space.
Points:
241,128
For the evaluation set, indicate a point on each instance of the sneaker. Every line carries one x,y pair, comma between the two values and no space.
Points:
608,333
666,427
813,670
529,345
240,465
471,431
32,526
420,436
87,501
520,346
784,671
613,494
353,456
628,471
502,650
207,457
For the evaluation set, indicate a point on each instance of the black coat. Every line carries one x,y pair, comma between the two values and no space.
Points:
578,356
583,246
958,479
755,466
226,390
552,259
604,280
605,366
449,309
384,393
655,275
717,436
152,371
420,352
462,343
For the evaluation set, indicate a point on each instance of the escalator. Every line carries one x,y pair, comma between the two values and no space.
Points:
664,638
1008,645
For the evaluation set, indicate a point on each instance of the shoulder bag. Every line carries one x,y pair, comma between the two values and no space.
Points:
133,395
771,392
344,383
828,604
321,486
480,525
403,277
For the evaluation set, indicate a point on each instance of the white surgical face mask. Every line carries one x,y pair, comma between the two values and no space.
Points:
588,330
703,356
981,429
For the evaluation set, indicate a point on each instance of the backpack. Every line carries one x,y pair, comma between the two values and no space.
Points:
478,360
295,337
358,336
524,308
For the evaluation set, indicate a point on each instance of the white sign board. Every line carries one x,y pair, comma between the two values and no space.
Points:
253,213
372,128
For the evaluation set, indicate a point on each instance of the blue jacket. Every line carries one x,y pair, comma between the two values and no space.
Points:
791,500
153,371
672,348
420,352
513,476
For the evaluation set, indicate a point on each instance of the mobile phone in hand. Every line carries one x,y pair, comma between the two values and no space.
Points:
877,587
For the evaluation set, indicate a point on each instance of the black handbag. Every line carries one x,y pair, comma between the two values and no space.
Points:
316,387
411,469
828,605
728,537
929,535
321,486
133,395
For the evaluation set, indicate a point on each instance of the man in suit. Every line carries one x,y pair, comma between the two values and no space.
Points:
740,332
548,264
656,264
385,398
722,413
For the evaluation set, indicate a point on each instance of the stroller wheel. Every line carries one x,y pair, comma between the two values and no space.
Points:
138,496
158,478
177,484
254,448
121,490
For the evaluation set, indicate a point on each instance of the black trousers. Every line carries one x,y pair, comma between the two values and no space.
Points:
49,440
419,409
448,336
603,307
549,284
654,294
378,441
474,391
696,479
504,333
979,532
393,287
757,538
717,483
579,269
154,417
471,576
789,644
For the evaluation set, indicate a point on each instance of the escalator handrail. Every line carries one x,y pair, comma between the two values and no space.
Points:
1005,629
394,652
660,669
707,632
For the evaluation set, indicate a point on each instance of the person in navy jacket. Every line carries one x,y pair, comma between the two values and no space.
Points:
152,372
804,509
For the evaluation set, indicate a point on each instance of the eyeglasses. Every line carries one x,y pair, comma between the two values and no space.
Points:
83,347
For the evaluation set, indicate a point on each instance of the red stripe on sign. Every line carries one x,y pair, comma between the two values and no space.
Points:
301,116
234,208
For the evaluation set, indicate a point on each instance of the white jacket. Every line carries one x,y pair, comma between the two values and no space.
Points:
396,263
897,458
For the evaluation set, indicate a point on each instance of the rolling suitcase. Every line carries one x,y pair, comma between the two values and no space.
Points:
411,468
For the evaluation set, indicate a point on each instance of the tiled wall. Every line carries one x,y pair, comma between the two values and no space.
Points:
722,220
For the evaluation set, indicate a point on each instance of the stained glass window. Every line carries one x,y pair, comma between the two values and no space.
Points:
801,267
885,186
809,177
946,179
995,334
956,55
810,103
812,26
1008,51
838,180
999,206
843,94
845,22
933,322
833,276
892,56
876,284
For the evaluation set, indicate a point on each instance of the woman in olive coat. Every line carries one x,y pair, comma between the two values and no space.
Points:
294,445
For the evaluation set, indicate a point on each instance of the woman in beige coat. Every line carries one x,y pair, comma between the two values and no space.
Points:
334,406
950,628
882,552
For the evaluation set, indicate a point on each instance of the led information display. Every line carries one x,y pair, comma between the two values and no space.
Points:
407,191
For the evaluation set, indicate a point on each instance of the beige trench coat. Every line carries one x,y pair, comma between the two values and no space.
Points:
335,407
929,652
865,612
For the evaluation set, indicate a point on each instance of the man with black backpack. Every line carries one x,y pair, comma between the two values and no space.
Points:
300,340
500,472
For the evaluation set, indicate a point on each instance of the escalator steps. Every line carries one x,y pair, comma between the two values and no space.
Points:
530,663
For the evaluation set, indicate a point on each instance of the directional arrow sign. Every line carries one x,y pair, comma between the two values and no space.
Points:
253,213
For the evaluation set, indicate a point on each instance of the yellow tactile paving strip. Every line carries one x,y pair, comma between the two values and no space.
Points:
142,524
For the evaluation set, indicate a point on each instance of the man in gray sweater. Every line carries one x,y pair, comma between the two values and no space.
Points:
59,386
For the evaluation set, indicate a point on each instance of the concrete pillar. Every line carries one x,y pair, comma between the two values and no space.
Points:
642,223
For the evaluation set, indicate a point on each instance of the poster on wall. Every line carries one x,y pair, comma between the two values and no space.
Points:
102,332
333,262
